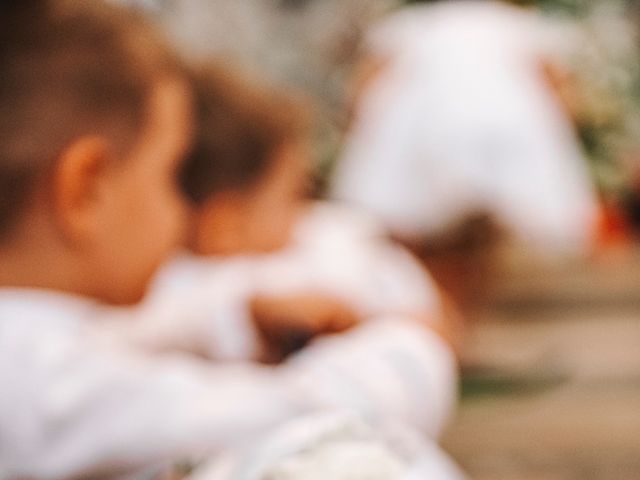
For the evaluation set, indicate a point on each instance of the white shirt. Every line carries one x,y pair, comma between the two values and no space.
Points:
74,403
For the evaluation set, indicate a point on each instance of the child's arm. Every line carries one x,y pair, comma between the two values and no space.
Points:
104,411
101,408
391,369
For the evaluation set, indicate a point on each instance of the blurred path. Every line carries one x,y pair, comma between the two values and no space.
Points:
552,380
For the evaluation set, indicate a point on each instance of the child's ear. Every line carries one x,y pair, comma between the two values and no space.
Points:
78,186
220,225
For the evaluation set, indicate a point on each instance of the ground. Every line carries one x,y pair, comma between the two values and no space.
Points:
551,385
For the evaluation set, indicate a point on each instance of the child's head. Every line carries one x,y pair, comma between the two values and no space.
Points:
246,175
94,120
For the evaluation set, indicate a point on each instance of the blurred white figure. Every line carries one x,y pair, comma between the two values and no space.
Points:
461,120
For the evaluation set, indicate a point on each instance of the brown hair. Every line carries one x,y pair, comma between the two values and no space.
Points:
69,69
239,127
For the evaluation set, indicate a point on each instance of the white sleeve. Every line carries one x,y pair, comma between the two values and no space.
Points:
91,411
389,370
83,408
220,331
211,319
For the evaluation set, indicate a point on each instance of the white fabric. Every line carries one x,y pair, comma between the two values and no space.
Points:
74,403
344,253
461,120
203,304
196,306
334,446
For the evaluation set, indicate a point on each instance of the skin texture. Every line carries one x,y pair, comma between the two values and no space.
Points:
99,223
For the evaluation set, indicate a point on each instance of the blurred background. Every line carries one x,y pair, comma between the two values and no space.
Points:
551,362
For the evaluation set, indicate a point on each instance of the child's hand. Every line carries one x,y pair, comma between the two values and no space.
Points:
288,322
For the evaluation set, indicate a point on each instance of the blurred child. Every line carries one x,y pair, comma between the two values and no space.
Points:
95,119
264,263
459,138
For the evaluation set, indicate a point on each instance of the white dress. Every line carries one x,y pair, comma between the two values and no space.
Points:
461,120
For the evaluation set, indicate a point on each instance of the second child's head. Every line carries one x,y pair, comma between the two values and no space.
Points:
95,118
247,173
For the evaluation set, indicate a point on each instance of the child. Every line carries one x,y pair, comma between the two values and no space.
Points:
294,269
95,119
458,136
